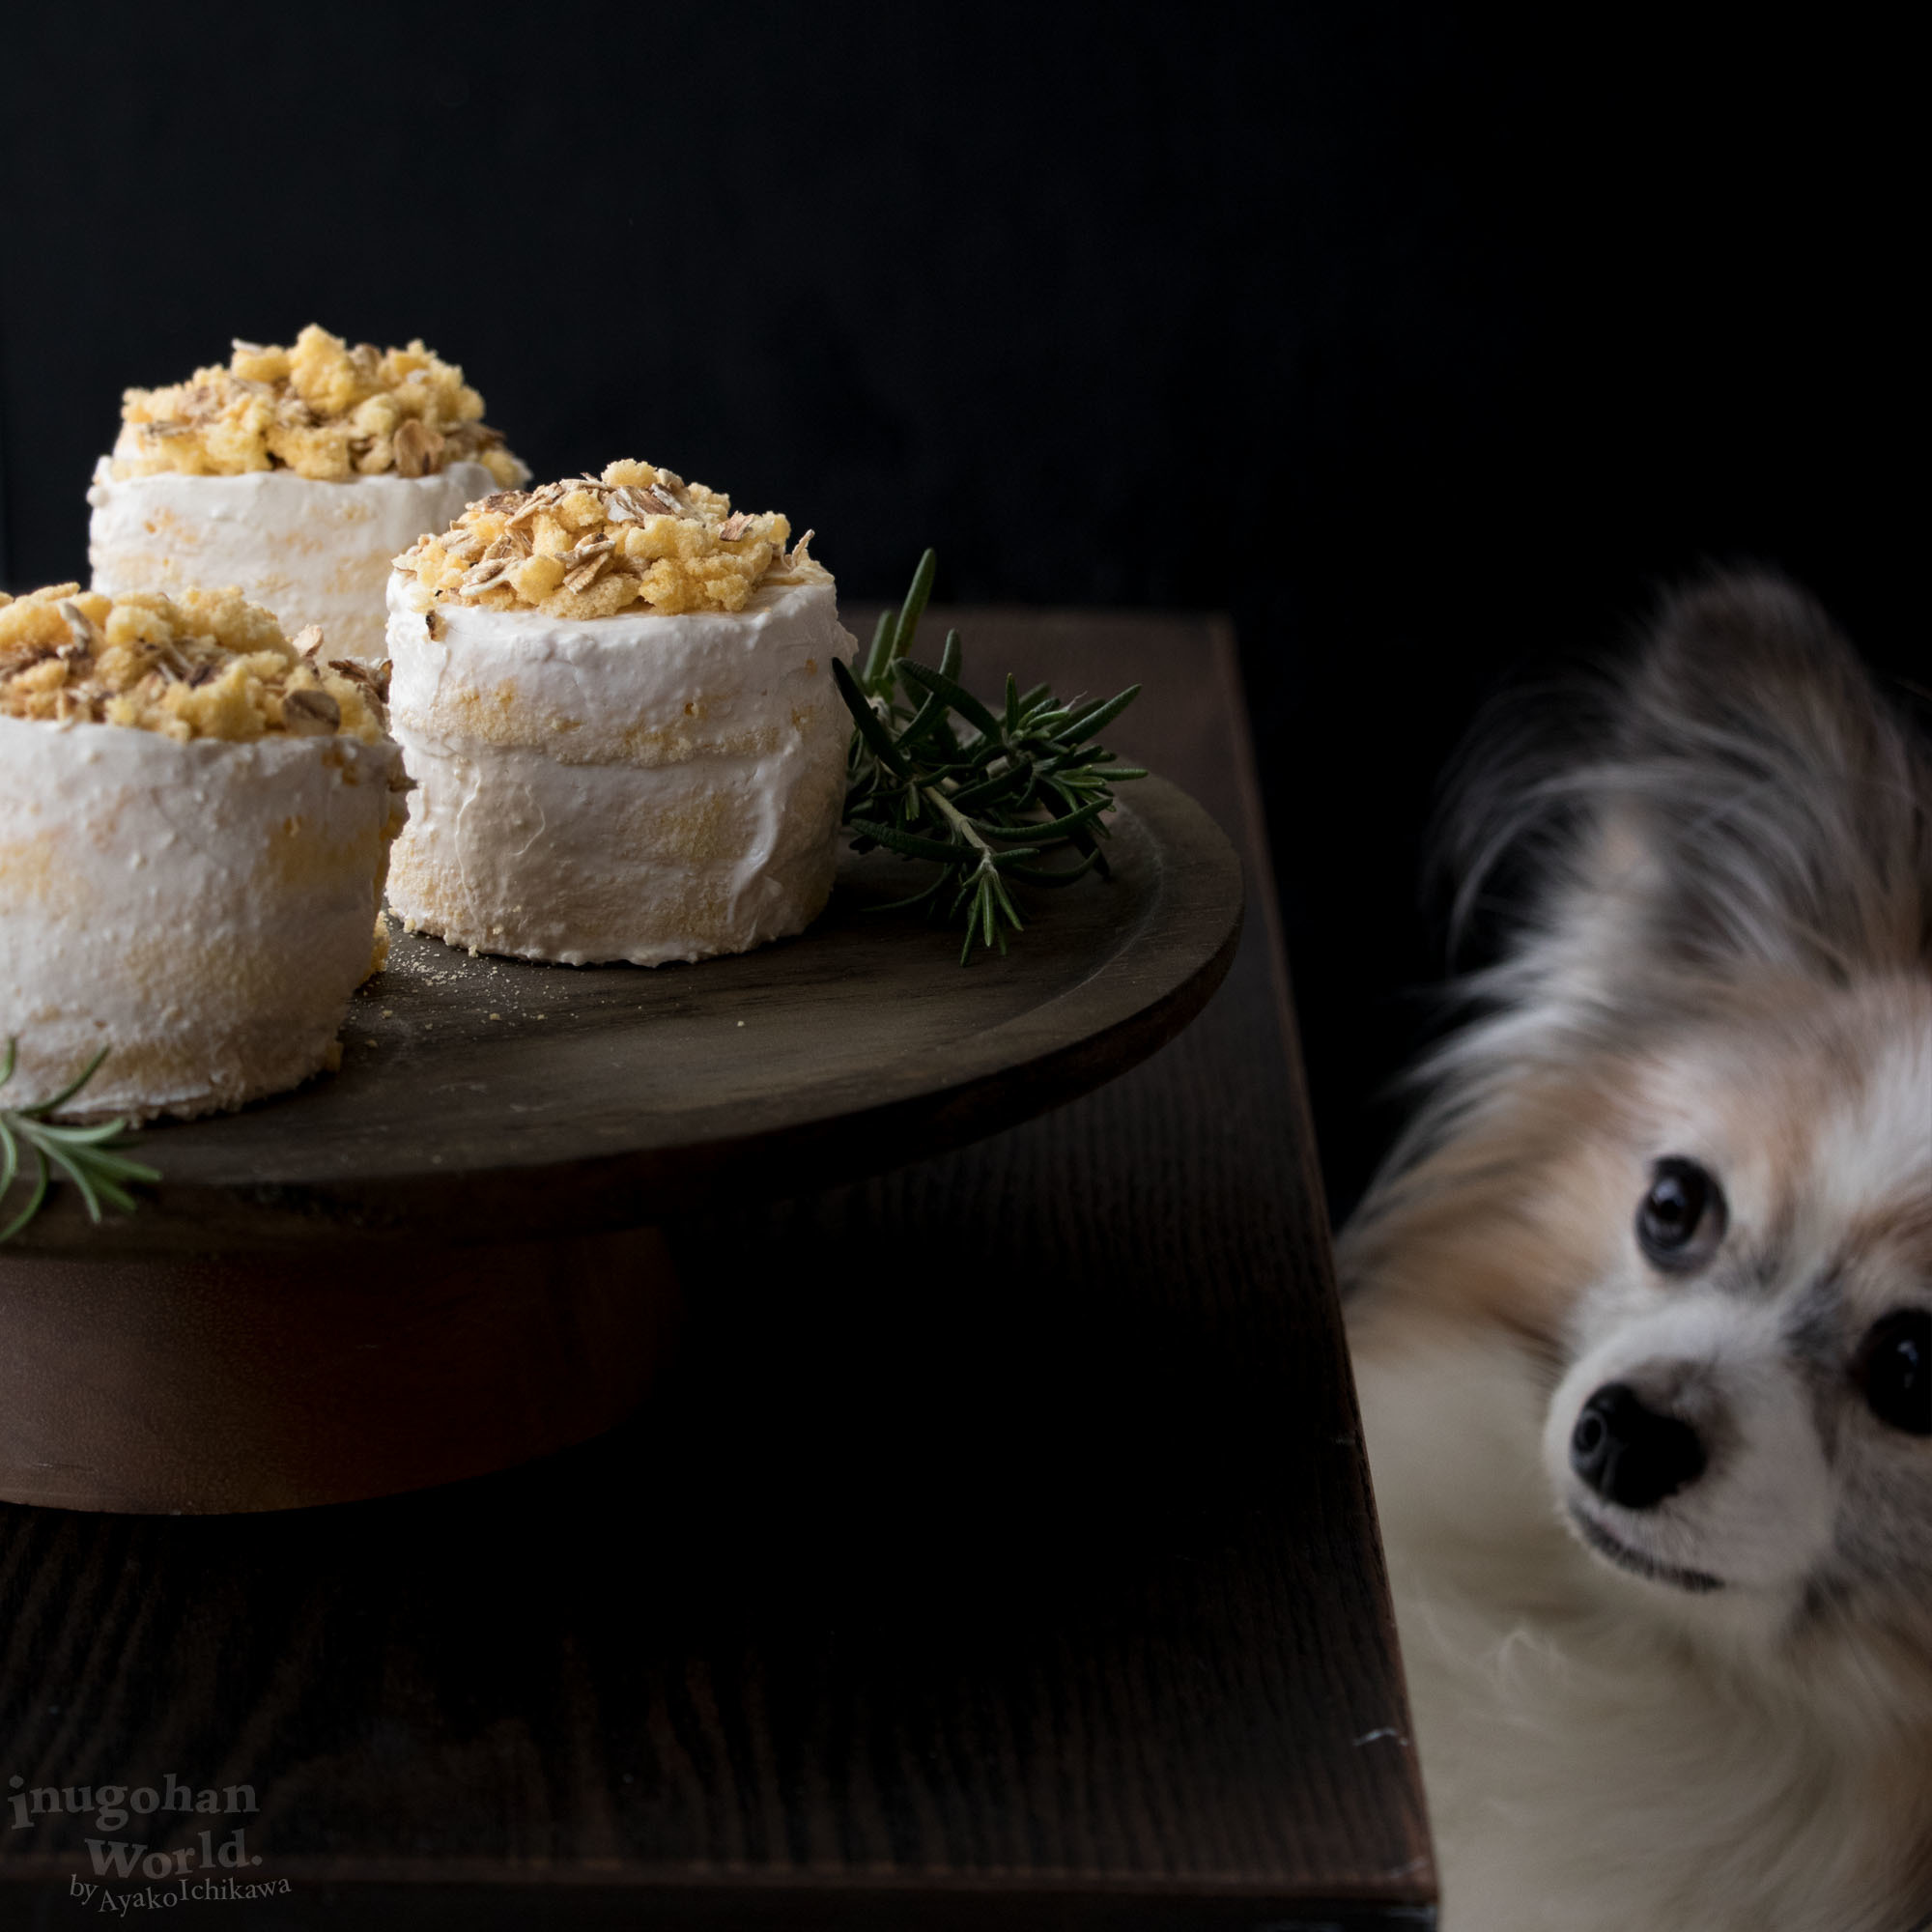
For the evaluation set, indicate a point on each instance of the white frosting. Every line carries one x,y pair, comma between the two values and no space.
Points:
313,552
632,787
203,910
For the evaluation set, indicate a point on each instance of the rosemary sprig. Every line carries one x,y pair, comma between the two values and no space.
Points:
84,1155
933,774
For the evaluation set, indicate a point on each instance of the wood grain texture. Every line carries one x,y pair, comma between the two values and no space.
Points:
1002,1553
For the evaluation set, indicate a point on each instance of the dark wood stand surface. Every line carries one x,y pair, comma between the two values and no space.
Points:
997,1551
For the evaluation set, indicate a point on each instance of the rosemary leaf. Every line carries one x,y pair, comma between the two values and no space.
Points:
871,730
880,656
87,1157
946,851
914,607
955,695
941,778
1097,716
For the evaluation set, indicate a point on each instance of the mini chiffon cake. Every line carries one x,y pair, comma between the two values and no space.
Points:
195,817
615,699
294,474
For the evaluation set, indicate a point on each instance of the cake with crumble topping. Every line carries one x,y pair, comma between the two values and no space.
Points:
195,819
614,694
293,474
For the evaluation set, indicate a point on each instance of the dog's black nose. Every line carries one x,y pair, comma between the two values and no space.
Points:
1629,1454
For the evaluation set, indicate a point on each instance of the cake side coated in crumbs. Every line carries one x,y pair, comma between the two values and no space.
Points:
636,538
319,409
204,664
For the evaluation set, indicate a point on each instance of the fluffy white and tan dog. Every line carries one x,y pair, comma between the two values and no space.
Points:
1642,1314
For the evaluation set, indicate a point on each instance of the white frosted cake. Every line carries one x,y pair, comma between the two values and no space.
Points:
615,699
293,474
194,821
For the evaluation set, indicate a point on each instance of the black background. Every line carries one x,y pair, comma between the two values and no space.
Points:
1423,339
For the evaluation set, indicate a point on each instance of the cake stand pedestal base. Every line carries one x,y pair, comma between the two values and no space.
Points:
272,1380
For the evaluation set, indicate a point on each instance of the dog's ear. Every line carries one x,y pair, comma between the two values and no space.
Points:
1783,809
1744,799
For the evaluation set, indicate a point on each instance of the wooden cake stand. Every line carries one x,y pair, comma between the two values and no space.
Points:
443,1260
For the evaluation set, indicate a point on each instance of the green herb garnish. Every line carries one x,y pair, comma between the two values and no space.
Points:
980,797
83,1155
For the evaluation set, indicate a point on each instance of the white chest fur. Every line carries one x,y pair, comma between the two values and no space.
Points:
1586,1767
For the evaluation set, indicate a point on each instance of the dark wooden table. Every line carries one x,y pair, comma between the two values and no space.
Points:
1000,1552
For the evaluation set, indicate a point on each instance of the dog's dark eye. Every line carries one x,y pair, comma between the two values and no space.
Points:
1894,1365
1681,1220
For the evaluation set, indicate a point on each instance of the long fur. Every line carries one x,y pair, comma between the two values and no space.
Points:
1725,856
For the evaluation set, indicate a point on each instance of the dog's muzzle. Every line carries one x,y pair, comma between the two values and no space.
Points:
1629,1454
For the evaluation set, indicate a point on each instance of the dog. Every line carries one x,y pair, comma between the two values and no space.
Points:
1640,1308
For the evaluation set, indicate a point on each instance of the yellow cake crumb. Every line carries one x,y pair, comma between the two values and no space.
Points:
379,949
204,664
322,408
592,545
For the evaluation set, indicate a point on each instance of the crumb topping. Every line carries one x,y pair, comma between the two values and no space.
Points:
592,545
322,408
204,664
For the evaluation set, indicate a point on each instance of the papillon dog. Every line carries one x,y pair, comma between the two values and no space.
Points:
1641,1307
